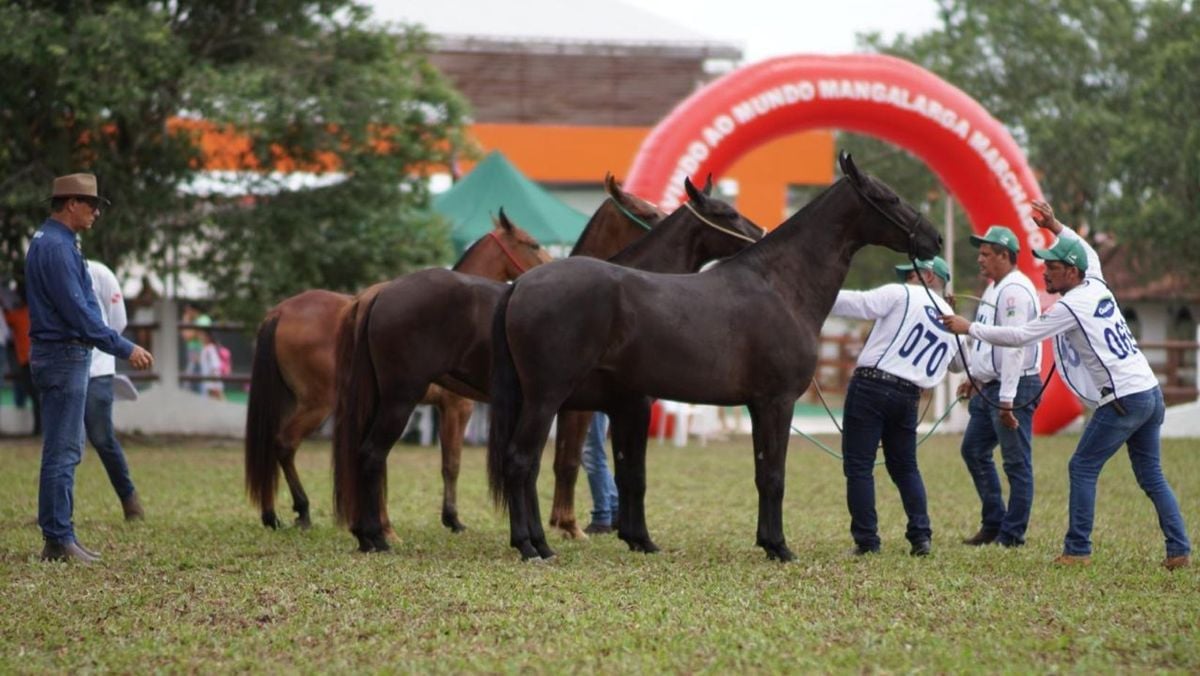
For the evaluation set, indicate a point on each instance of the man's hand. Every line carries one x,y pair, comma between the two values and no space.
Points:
956,324
140,358
1007,417
965,390
1043,215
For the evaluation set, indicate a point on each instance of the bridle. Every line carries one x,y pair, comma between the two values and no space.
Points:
521,267
714,226
909,229
629,214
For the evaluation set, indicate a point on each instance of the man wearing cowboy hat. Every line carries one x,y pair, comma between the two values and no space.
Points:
65,323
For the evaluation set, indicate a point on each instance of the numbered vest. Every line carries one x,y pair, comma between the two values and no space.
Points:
921,349
1100,353
997,301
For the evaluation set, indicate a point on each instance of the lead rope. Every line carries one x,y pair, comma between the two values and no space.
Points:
629,214
823,447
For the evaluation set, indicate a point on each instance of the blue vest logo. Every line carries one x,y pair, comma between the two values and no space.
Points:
1106,308
935,315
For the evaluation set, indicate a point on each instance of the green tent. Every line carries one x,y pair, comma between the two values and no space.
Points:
495,183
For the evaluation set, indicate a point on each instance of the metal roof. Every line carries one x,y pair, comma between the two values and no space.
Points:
549,25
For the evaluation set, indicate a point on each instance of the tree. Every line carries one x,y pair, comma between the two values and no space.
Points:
126,89
1101,94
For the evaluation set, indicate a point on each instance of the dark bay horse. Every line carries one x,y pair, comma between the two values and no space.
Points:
291,380
744,332
404,340
292,383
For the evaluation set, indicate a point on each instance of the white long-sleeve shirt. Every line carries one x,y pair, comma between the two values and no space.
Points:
112,310
908,339
1010,301
1095,352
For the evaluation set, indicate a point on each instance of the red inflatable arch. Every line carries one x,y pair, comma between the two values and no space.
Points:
889,98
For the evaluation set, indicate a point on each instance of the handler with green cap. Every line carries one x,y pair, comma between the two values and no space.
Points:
1010,377
908,350
1090,331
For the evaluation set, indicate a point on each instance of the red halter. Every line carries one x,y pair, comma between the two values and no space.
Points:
520,267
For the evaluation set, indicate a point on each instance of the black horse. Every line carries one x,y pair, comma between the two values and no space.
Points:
434,326
743,332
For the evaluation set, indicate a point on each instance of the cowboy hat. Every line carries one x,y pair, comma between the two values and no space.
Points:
77,185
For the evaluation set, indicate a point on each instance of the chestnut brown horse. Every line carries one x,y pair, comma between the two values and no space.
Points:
404,341
292,381
745,332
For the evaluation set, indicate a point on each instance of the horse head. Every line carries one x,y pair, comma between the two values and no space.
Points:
890,221
504,253
730,230
639,208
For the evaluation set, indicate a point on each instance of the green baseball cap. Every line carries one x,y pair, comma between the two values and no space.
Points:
998,234
937,264
1068,251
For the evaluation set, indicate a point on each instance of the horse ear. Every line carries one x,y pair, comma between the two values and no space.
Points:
503,221
849,169
693,194
610,184
708,185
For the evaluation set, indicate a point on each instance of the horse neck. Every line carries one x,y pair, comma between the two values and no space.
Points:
674,247
484,259
806,259
607,232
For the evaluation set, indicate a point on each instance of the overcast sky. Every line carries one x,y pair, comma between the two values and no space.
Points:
767,28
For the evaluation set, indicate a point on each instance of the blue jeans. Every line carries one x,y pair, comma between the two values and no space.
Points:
60,373
600,480
97,421
878,411
983,432
1104,435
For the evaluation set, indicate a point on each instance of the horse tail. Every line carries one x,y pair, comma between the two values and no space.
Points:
505,403
356,402
270,396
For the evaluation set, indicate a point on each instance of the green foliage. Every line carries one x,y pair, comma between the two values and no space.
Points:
201,586
93,86
1102,94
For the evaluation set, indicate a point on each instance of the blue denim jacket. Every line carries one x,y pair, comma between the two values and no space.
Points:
62,305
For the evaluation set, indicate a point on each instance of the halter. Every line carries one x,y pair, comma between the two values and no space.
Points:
521,268
908,229
714,226
629,214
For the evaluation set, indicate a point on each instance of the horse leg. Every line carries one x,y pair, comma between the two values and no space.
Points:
630,427
521,471
456,411
568,448
306,419
385,431
771,422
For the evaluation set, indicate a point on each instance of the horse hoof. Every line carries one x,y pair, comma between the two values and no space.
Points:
270,520
544,551
644,545
574,532
780,553
451,521
527,550
304,523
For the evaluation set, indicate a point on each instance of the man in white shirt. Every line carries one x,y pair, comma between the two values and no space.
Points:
1008,376
1090,331
97,417
908,349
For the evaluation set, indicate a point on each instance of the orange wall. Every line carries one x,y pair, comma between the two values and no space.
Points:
562,154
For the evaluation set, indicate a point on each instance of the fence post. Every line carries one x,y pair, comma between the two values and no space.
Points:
166,343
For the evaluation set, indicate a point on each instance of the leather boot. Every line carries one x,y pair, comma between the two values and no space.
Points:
56,551
1177,562
94,555
133,508
983,537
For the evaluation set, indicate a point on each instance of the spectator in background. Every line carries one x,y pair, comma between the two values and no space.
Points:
211,366
194,342
17,319
97,414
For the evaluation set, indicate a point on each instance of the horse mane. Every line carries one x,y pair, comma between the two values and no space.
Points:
466,254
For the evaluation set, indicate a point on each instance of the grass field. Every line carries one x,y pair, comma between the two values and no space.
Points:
201,587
